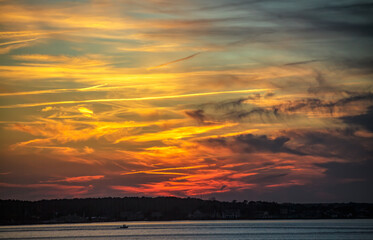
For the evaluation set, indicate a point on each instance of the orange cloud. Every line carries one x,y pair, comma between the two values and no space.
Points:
176,133
198,180
70,131
163,170
86,112
96,108
78,179
286,184
189,188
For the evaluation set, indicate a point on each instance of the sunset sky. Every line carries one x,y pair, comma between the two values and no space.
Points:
232,99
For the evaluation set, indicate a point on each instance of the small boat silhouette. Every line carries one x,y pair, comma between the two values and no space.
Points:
123,226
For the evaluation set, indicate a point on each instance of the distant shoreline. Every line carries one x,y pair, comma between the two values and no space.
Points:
94,210
187,220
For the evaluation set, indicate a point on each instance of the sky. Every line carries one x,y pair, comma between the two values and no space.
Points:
227,99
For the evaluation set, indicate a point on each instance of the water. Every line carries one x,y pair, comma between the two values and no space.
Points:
245,229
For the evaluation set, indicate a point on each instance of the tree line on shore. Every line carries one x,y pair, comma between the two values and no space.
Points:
168,208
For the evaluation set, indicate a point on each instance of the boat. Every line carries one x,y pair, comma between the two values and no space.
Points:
123,226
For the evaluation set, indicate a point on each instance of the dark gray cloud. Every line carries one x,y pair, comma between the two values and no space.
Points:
264,114
231,109
301,62
197,115
365,120
350,181
333,143
232,103
357,7
229,5
325,189
364,65
269,24
327,17
249,143
320,104
240,110
341,144
340,181
354,98
349,171
322,85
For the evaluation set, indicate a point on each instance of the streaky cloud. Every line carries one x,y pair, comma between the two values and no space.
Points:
18,41
54,91
175,61
25,105
163,170
302,62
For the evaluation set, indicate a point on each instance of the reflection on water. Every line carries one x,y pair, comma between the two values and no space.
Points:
245,229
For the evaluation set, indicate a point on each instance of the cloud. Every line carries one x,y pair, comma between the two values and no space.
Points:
318,17
65,131
317,104
341,144
267,108
9,46
264,114
175,61
174,134
365,120
287,184
363,64
304,105
100,87
77,179
230,5
201,181
301,62
25,105
165,170
86,112
348,170
277,109
322,85
249,143
228,104
358,7
47,190
19,41
197,115
348,180
236,109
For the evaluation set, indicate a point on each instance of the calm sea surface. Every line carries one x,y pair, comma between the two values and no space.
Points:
245,229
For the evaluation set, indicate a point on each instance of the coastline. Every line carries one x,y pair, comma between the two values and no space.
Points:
101,210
